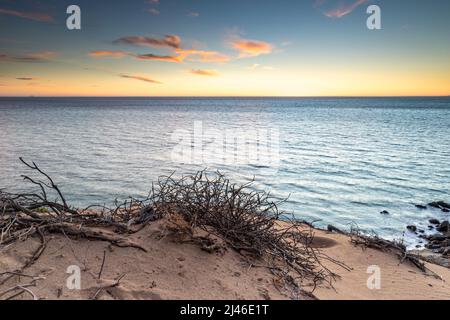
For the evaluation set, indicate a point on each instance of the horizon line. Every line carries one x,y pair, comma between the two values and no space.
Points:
234,96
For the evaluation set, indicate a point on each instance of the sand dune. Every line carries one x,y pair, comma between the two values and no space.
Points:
172,269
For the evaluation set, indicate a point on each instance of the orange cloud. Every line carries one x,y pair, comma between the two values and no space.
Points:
36,16
105,53
210,73
171,41
251,48
145,79
201,55
180,56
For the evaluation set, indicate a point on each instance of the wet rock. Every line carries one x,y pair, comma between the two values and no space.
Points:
445,207
430,227
412,228
421,207
445,243
436,238
442,250
444,227
439,204
421,231
385,212
331,228
431,246
434,221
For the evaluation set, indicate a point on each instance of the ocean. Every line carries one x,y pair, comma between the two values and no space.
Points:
339,161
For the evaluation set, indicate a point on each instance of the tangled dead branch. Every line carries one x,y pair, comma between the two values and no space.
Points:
247,220
244,219
33,214
399,249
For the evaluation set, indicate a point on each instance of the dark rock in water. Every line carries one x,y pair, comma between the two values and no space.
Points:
412,228
430,227
331,228
436,237
445,243
444,227
439,204
443,250
421,231
421,207
434,221
385,212
445,207
432,246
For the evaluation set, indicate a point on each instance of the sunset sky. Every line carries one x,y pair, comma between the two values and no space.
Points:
224,48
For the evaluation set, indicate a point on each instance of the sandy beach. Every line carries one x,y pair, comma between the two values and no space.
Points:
174,268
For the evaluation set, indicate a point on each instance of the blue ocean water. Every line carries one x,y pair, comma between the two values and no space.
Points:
339,160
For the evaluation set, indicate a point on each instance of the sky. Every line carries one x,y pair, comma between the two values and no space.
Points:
225,48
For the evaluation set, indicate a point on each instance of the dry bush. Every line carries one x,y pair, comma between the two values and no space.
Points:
247,220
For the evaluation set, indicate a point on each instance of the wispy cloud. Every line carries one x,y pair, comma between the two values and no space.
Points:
171,41
26,78
209,73
257,66
36,16
140,78
251,48
44,56
202,55
340,10
193,14
155,57
153,11
121,54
